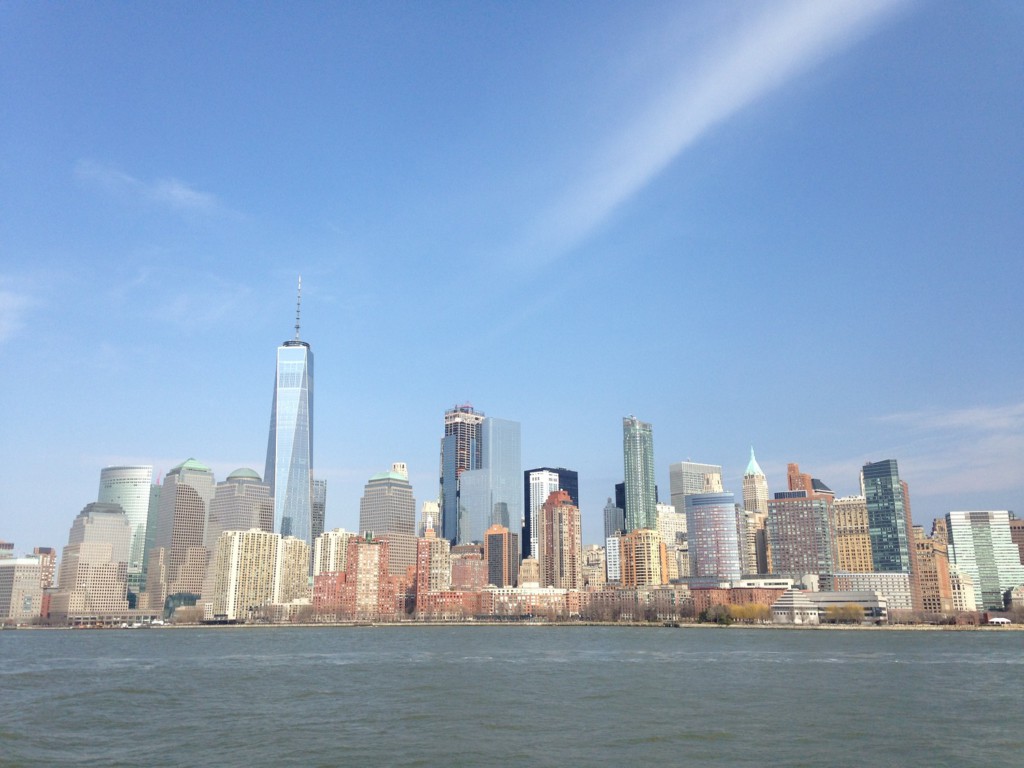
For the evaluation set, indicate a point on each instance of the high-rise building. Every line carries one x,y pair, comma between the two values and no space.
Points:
243,570
130,488
801,481
289,470
387,505
613,558
712,537
21,590
1017,534
93,577
319,496
638,462
538,484
367,592
689,477
800,534
933,573
981,547
240,503
329,551
48,565
291,571
560,543
755,501
430,517
887,516
492,495
433,564
853,534
501,552
643,559
181,525
672,527
614,519
460,451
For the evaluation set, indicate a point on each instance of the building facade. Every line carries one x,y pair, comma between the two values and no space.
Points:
981,546
560,547
289,468
712,537
501,553
181,525
387,505
800,534
538,484
492,494
460,451
887,516
853,534
129,487
93,576
638,464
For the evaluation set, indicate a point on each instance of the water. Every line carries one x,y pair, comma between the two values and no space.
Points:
539,696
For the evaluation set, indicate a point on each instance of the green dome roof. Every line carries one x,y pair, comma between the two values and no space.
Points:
244,473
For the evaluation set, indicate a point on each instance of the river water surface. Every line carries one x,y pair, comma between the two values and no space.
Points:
518,695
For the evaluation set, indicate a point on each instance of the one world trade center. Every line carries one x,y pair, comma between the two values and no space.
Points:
289,468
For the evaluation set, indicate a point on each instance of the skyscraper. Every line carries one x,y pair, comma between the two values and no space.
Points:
240,503
130,488
614,519
887,516
980,546
800,534
687,477
181,525
460,451
501,552
491,495
289,470
387,505
638,462
538,484
560,542
712,537
755,487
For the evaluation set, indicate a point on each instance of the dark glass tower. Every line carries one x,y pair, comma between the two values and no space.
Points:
887,516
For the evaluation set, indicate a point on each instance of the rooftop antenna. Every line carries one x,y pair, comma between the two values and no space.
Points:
298,309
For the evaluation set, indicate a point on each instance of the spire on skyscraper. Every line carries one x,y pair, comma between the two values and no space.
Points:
298,309
753,468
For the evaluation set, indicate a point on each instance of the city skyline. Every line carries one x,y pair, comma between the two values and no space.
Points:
859,159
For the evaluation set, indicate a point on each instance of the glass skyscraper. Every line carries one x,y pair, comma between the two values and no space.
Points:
638,460
887,516
491,495
131,488
460,451
289,469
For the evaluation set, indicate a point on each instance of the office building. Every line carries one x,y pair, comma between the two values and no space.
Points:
887,517
492,494
388,505
689,477
181,525
319,507
613,559
755,486
638,461
980,545
712,538
614,519
560,543
129,487
433,563
538,484
291,571
460,451
240,503
93,576
289,469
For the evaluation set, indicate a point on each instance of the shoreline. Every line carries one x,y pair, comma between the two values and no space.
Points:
556,624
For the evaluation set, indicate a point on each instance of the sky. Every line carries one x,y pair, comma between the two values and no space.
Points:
795,226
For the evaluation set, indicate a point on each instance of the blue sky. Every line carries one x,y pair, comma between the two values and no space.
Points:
791,225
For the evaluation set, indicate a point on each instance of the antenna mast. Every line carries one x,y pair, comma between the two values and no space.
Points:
298,309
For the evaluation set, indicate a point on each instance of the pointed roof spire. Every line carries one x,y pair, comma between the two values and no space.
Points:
298,309
753,468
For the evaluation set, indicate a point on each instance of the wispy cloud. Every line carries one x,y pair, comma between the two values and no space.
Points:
13,309
773,48
171,193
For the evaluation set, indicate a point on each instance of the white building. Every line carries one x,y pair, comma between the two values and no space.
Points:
330,550
980,545
93,576
21,589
